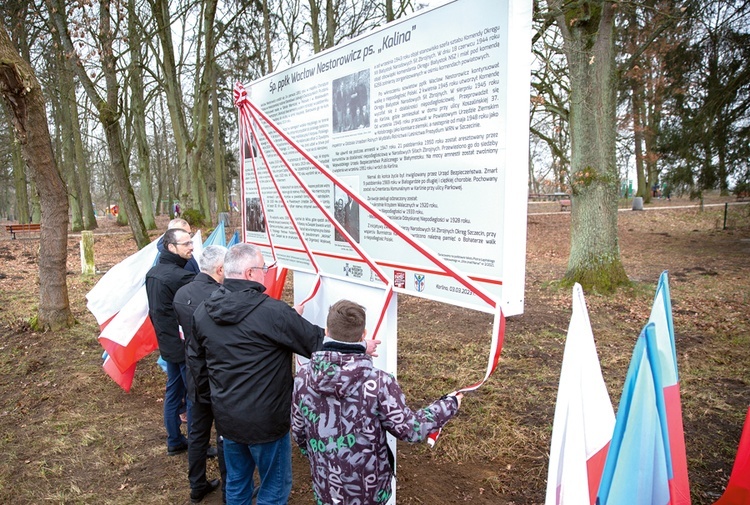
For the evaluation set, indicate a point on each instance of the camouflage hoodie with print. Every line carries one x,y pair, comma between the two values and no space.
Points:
341,409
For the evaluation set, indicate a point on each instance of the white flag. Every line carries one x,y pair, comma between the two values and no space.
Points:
584,418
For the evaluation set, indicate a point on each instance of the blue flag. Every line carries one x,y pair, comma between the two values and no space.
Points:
217,237
636,467
235,239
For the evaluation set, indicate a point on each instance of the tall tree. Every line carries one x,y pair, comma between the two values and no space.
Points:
267,35
549,107
189,146
23,98
108,108
66,153
587,28
650,34
139,116
202,104
20,40
82,166
705,137
19,183
344,19
222,201
173,91
290,21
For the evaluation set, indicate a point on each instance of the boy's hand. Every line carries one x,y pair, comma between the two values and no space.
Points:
458,397
372,347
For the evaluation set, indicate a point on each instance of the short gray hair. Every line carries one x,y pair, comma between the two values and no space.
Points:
239,258
212,258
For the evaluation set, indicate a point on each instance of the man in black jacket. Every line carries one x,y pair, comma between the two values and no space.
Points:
248,339
186,300
162,282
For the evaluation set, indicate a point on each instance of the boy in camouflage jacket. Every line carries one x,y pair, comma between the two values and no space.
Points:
341,409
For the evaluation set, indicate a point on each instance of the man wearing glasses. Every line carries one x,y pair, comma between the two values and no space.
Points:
192,263
162,282
248,340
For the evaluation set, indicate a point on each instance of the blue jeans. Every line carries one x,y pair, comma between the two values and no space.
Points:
274,463
173,397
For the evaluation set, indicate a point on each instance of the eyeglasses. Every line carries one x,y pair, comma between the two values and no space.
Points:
189,242
264,267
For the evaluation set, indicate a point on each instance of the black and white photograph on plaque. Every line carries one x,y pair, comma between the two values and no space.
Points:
351,102
255,220
346,212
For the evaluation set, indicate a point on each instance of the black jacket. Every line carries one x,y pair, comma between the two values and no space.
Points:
249,339
162,282
186,300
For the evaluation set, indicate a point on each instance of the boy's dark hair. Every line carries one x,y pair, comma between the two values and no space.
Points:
346,321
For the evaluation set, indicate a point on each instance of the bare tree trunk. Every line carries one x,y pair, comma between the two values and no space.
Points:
159,170
588,35
84,175
25,103
75,155
200,111
173,91
19,183
650,134
222,204
533,186
36,207
315,25
22,189
65,131
139,119
267,37
391,15
330,24
172,190
640,172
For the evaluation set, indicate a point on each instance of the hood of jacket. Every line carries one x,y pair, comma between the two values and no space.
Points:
337,373
234,300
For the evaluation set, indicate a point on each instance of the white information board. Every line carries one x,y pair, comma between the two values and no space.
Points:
426,120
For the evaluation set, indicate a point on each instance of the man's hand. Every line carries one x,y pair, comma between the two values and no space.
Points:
299,308
372,347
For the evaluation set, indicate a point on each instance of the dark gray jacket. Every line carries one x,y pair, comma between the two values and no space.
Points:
186,300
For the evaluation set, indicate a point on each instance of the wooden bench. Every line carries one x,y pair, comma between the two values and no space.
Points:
21,228
565,204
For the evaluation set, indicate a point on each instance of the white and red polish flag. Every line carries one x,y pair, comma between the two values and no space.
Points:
584,417
119,304
661,316
738,487
646,462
